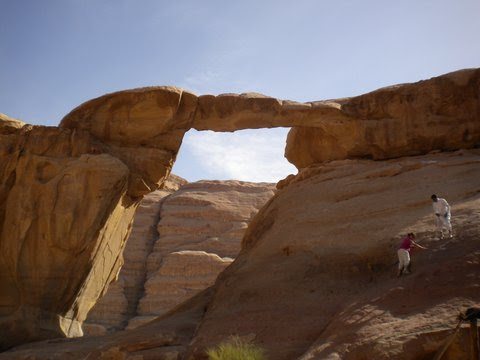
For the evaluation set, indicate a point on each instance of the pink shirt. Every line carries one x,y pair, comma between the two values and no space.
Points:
406,244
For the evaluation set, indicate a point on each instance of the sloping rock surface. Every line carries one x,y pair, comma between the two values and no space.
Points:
316,275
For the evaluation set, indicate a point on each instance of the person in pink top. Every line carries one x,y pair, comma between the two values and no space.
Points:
408,243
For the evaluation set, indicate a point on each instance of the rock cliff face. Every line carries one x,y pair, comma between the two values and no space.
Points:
181,275
119,304
201,228
68,196
56,252
59,251
188,238
316,275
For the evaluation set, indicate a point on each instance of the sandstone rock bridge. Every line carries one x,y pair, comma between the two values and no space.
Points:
68,193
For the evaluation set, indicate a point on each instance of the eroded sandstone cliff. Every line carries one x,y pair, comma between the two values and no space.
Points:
440,113
401,120
316,276
119,304
178,246
115,149
58,250
200,230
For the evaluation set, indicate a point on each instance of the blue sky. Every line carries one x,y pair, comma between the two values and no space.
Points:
56,54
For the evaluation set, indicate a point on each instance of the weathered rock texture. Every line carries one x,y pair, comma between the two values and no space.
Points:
143,128
410,119
119,304
64,217
181,275
201,228
68,199
189,237
59,249
402,120
316,276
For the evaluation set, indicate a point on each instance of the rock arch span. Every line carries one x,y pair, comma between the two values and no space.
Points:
68,193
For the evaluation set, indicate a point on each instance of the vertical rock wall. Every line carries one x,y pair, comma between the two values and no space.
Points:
189,237
120,302
49,237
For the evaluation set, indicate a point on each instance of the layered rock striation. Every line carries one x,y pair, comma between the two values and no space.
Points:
200,231
178,246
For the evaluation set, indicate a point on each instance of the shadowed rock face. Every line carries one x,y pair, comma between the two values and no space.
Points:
67,202
58,250
120,302
68,194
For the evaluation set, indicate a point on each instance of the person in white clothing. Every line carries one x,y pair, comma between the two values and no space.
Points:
442,215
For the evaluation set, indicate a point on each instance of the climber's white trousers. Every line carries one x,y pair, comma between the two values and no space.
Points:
443,222
403,259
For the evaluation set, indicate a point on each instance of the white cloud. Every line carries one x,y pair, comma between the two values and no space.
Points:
248,155
198,82
222,71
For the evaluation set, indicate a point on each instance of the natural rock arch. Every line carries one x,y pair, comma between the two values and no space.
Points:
68,193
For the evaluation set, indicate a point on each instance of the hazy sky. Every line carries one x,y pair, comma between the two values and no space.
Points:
56,54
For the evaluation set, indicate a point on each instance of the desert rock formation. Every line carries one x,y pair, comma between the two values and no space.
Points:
68,196
387,123
200,229
64,216
181,275
402,120
120,302
59,251
188,238
315,278
316,275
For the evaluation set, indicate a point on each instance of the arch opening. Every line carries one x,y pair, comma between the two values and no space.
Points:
255,155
